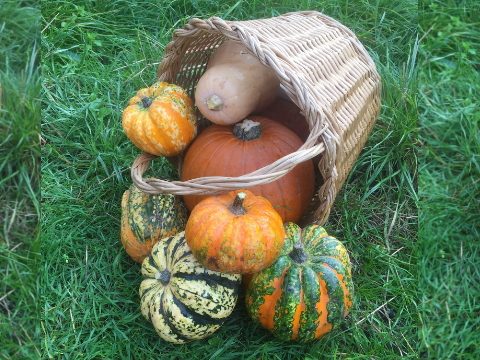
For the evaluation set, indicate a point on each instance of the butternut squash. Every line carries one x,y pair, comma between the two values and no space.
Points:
234,85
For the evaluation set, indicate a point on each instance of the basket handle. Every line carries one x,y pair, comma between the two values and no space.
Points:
214,185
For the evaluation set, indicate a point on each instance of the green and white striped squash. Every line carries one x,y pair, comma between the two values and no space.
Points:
148,218
183,300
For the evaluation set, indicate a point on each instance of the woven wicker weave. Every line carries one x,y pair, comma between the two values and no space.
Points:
324,70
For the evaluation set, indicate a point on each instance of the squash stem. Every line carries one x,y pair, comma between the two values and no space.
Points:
163,277
247,130
298,254
237,207
215,103
146,102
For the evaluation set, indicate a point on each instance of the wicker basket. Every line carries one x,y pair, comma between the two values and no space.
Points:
323,68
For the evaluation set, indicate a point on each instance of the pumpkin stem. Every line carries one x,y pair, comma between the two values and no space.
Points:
215,103
163,276
298,254
146,102
237,207
247,130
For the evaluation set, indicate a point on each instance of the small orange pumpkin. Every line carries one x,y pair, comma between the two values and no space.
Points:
237,232
161,119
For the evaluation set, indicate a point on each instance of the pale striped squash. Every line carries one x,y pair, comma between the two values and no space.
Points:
183,300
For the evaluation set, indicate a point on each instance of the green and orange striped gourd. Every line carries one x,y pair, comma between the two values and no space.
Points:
307,291
147,218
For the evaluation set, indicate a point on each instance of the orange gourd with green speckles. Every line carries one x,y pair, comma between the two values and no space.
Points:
237,232
308,291
161,119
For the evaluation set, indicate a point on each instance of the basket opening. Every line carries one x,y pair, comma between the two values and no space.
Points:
187,72
321,65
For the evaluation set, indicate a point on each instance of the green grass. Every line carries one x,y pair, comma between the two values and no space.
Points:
19,179
95,56
449,184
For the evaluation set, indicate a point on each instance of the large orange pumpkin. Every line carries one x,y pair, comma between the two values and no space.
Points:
237,232
160,119
248,146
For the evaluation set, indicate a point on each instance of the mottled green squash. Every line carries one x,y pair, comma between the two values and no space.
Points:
147,218
183,300
307,291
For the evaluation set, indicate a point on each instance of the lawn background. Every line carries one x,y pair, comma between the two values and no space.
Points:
19,179
95,56
87,317
449,179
